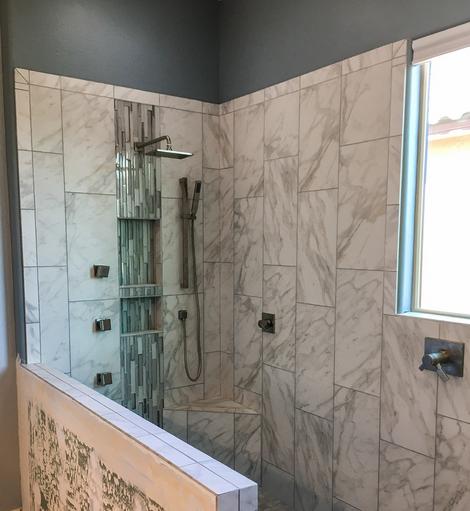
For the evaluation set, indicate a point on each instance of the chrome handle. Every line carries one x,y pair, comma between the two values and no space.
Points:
436,359
442,374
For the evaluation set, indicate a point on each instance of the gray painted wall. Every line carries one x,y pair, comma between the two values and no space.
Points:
263,42
9,467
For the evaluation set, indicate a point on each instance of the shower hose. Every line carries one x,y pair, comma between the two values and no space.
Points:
198,311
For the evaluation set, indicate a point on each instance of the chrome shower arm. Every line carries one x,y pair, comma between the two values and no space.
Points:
142,145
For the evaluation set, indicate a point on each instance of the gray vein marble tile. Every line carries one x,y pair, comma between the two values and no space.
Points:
248,100
248,151
397,100
226,140
23,120
226,215
367,59
226,375
248,445
452,465
248,343
362,204
50,209
316,247
394,170
28,236
399,48
282,88
453,395
339,505
185,130
191,105
408,395
226,307
176,423
280,211
89,160
281,127
320,75
210,108
313,462
356,447
46,119
278,418
212,218
212,307
247,398
184,395
359,296
406,479
390,286
315,331
212,433
139,96
53,300
175,375
33,343
94,352
91,242
365,112
210,141
279,299
248,246
31,295
277,491
25,173
21,75
86,86
212,375
319,136
391,238
171,248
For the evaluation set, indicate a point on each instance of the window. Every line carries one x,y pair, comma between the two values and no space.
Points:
434,261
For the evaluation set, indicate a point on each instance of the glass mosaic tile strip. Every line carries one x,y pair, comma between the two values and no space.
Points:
138,315
140,291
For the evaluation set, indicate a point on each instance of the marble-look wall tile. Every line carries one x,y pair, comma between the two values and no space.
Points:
248,246
138,96
452,465
277,491
183,395
31,295
23,119
226,140
453,395
211,215
89,160
91,242
93,352
247,343
210,108
46,119
280,211
212,433
278,418
191,105
226,307
319,136
86,87
226,215
391,238
406,479
226,375
53,299
356,446
390,290
315,331
365,112
26,181
247,398
320,75
281,131
399,48
279,299
397,99
359,296
316,247
44,79
394,170
50,209
362,203
248,100
282,88
28,237
367,59
248,151
21,75
211,307
175,375
408,395
210,141
248,445
185,130
339,505
212,375
313,462
33,343
176,423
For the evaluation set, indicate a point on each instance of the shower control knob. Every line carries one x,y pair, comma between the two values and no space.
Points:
267,323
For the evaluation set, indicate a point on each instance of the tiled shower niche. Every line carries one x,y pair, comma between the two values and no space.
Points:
138,211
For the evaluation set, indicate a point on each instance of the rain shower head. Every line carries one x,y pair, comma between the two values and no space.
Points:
169,152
